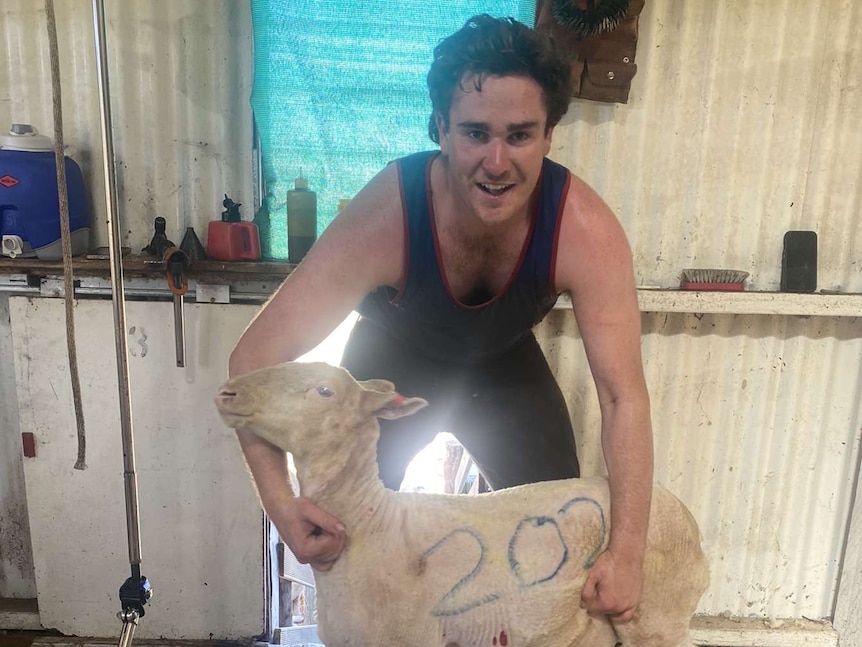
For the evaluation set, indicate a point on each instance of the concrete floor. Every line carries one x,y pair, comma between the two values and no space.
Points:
20,613
20,638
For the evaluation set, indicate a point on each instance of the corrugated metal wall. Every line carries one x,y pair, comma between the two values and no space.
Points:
757,423
180,76
743,123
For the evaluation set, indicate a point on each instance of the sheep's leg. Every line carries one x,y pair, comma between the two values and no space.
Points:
599,633
686,642
669,634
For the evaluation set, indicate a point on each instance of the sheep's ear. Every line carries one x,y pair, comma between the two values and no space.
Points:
391,405
380,386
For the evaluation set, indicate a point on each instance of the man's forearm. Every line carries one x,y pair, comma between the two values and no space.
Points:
628,449
268,465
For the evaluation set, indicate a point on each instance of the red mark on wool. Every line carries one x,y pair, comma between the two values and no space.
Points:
504,639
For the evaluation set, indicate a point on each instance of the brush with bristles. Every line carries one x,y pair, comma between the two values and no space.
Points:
589,17
714,276
710,279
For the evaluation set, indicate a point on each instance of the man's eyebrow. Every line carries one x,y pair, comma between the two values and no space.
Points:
524,125
481,125
473,125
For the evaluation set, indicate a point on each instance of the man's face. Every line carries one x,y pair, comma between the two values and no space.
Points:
495,144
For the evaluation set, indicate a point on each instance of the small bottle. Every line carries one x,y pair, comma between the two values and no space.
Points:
264,227
301,220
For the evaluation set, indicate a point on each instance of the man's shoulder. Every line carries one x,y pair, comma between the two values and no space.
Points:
579,193
370,227
418,156
415,163
553,167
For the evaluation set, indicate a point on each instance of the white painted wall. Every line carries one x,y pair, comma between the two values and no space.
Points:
201,525
17,579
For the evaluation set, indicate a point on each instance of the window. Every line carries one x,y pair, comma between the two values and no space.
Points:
339,91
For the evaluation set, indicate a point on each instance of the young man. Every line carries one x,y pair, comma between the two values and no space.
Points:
451,257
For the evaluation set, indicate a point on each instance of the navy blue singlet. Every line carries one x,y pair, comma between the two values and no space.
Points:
426,316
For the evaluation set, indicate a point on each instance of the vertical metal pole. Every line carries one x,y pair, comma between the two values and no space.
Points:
179,330
116,256
130,622
260,188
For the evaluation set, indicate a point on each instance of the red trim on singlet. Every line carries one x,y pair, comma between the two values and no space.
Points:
525,246
552,270
405,267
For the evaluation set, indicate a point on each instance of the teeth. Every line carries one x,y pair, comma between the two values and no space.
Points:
494,188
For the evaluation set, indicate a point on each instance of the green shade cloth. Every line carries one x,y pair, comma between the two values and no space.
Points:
339,91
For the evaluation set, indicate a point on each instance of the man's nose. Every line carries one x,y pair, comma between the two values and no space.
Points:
496,158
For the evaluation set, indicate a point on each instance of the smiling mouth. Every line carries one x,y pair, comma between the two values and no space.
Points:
494,189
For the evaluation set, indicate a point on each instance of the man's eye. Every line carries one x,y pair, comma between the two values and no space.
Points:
325,392
519,137
476,134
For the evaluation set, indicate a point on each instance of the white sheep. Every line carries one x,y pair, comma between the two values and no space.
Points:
427,570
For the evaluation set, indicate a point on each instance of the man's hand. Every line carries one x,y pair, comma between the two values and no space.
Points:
314,536
613,587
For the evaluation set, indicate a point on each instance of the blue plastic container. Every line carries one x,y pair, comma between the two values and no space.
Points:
30,204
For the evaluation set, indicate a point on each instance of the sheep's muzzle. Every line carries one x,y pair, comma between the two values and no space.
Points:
229,409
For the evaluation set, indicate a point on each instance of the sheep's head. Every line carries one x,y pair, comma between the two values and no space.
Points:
290,404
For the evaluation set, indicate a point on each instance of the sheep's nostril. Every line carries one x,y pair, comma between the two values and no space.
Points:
226,393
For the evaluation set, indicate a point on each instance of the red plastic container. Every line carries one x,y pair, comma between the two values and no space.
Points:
233,241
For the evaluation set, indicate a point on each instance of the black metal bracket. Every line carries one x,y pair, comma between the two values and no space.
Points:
135,592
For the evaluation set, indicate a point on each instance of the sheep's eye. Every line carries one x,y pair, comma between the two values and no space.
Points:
325,391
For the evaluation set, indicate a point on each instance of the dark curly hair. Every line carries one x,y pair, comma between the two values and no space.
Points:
497,47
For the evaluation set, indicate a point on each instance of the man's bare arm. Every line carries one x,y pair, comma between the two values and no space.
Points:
362,249
595,266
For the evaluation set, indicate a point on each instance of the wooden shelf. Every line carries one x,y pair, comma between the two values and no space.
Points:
215,272
650,300
746,303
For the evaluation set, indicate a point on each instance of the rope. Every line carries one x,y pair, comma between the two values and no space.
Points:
68,279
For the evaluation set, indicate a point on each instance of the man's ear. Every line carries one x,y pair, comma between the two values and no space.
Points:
442,133
548,135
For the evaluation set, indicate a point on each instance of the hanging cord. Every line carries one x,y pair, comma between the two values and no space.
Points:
68,279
